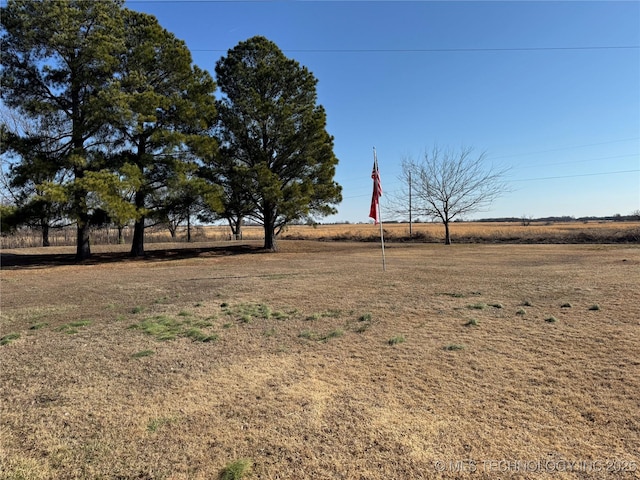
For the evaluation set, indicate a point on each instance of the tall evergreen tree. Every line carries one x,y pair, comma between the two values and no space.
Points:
28,165
273,138
168,108
58,65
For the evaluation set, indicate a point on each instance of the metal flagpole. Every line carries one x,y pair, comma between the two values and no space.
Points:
384,263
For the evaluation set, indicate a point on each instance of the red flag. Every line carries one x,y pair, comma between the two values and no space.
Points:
374,212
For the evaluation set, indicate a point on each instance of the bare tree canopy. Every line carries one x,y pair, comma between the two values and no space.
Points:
448,184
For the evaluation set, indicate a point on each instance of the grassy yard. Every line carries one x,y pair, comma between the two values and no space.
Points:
223,361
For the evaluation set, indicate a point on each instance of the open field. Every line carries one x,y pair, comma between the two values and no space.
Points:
462,232
470,361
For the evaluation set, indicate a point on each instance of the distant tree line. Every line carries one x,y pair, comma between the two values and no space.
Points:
527,219
107,121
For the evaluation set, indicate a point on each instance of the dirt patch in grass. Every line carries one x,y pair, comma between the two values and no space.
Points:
279,388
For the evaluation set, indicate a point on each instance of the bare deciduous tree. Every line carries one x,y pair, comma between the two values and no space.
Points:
448,184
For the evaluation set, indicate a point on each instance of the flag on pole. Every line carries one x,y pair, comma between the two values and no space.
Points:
374,211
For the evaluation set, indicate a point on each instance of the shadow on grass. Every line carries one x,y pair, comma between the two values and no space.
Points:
13,261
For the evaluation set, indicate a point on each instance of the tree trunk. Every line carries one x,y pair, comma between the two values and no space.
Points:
83,250
189,228
137,244
45,234
235,224
270,242
447,235
120,235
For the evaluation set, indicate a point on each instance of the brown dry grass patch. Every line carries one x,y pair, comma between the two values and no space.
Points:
304,378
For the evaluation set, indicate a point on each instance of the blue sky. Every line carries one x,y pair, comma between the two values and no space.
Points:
542,87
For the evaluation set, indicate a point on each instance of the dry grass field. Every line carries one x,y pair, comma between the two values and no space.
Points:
464,362
463,232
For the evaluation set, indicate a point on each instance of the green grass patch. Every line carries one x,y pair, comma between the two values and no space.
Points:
197,335
496,305
247,312
8,338
71,328
363,324
332,334
307,335
277,276
136,310
460,294
237,470
325,314
204,323
521,311
454,347
38,326
551,319
280,315
318,337
477,306
161,327
156,424
472,323
143,353
164,328
80,323
396,340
